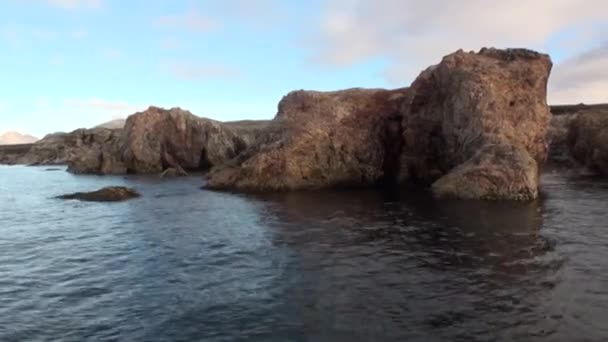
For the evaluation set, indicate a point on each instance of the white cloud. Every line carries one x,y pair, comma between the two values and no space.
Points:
192,20
57,60
190,72
44,34
76,4
170,43
11,34
412,34
112,53
116,109
583,78
79,34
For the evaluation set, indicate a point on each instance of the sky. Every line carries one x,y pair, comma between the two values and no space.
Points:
67,64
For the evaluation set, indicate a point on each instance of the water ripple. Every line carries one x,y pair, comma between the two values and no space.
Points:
182,264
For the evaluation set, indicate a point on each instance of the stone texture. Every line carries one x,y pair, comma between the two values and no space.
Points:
157,139
319,140
109,194
588,140
559,154
492,102
495,172
60,148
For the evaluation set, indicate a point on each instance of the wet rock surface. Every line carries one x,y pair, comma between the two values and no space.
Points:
108,194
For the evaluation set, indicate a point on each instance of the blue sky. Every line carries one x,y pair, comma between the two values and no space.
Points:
76,63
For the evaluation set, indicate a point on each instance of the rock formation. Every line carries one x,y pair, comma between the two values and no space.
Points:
588,140
475,124
319,140
59,148
157,139
478,120
109,194
559,154
564,118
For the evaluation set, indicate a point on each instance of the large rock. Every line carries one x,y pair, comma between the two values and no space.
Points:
319,140
478,120
157,139
588,140
97,153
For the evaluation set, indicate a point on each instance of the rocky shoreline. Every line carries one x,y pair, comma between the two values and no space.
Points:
474,126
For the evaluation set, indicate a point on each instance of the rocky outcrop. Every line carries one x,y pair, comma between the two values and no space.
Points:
109,194
152,141
475,125
12,154
60,148
588,140
157,139
319,140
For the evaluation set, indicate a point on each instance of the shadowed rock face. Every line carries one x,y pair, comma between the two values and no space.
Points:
559,154
472,114
588,140
320,140
109,194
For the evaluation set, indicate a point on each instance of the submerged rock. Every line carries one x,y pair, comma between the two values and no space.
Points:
319,140
478,120
109,194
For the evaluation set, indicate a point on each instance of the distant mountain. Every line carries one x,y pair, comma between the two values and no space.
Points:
14,138
114,124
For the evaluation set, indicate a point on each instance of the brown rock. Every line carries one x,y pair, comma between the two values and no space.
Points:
96,153
109,194
496,172
588,140
559,154
83,147
320,140
490,102
157,139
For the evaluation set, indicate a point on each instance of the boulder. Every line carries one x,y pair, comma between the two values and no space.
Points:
320,140
109,194
588,140
475,125
495,172
157,139
97,153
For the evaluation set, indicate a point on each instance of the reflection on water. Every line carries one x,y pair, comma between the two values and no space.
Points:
181,264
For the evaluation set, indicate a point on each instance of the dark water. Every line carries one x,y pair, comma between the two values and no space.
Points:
182,264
